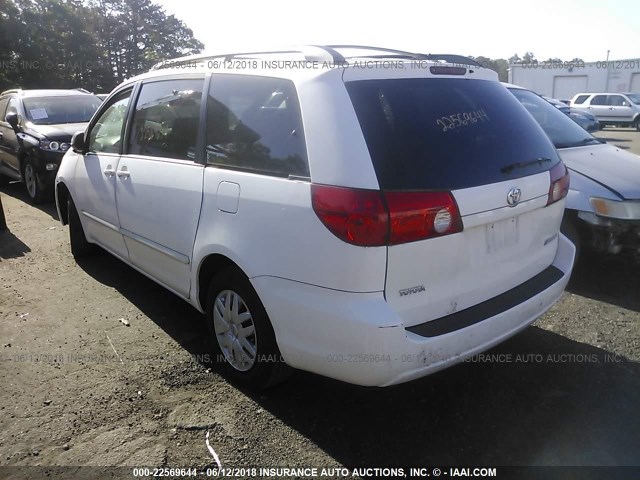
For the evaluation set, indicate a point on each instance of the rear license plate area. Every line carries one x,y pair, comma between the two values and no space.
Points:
502,234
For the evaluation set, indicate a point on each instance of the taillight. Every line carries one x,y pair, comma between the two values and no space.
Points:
374,218
559,183
354,215
420,215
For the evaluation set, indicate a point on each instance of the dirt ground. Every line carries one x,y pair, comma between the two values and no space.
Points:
79,387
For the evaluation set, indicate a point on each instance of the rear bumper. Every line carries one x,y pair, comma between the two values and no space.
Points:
358,338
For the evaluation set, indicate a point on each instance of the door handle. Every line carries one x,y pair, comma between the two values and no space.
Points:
109,172
122,173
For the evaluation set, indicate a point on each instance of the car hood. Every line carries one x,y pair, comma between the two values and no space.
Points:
608,165
61,132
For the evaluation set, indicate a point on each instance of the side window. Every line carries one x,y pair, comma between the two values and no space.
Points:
599,100
3,107
580,99
106,134
615,100
254,124
166,119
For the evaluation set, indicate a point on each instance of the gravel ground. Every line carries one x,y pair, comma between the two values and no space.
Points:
100,366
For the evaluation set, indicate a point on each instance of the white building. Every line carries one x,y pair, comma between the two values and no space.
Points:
564,80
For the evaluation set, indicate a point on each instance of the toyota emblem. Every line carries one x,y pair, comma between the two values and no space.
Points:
513,197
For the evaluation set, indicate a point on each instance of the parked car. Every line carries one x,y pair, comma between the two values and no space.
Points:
611,108
564,108
585,119
372,225
35,132
581,116
603,205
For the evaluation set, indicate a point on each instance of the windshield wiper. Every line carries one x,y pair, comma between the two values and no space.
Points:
538,161
581,143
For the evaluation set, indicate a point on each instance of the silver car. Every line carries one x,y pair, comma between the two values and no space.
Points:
611,108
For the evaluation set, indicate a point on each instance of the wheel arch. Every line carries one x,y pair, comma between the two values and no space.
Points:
62,196
210,266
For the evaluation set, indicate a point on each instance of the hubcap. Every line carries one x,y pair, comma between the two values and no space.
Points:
235,330
30,180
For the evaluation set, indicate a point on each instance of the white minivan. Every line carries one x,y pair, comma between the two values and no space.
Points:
362,213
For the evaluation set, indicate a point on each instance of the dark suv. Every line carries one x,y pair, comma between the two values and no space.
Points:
35,131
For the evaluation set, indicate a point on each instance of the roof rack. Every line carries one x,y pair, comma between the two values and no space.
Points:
310,52
392,53
327,53
450,58
13,90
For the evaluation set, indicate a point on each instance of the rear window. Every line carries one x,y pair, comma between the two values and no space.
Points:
580,99
447,134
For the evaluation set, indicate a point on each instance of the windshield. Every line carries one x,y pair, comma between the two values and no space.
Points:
446,134
634,97
563,132
56,110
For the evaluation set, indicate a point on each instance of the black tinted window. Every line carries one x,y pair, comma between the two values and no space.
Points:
253,124
581,99
166,119
55,110
445,134
599,100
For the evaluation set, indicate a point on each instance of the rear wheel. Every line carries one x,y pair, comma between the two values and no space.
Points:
240,333
80,247
36,191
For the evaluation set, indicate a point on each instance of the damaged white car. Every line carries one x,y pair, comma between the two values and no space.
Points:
603,205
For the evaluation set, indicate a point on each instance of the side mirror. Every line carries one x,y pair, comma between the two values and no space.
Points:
78,143
12,119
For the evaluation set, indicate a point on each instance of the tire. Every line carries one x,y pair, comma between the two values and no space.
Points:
241,337
637,124
36,192
570,230
80,247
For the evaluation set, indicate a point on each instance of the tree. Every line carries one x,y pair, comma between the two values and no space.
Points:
515,58
94,44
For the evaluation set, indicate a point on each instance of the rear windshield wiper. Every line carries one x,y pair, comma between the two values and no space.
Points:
538,161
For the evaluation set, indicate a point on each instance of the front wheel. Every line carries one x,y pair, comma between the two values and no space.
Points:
241,335
36,191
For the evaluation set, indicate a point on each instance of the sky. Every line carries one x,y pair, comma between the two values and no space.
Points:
565,29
